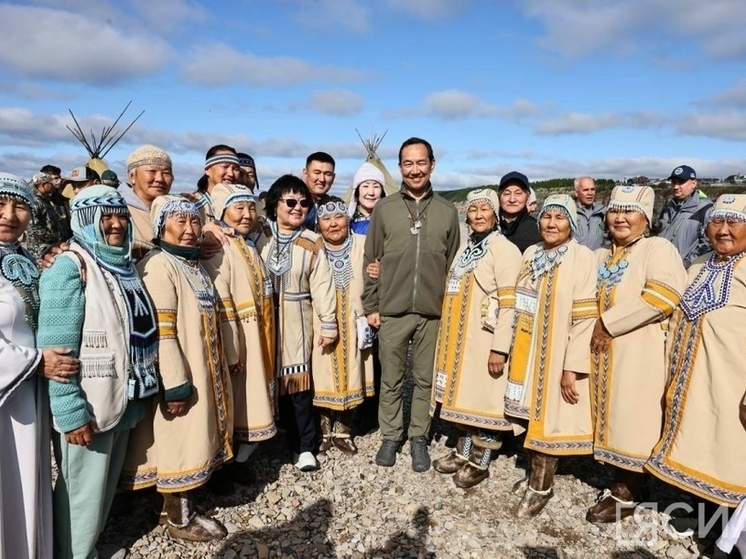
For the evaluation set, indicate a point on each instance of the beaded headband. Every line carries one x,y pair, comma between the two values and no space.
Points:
332,208
222,158
726,215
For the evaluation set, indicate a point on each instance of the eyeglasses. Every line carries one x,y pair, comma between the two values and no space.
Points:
292,202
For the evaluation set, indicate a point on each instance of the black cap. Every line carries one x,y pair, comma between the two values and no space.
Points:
514,178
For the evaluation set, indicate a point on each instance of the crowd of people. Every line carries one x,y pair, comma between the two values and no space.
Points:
157,339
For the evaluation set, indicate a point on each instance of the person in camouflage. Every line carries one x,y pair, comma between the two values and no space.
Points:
45,228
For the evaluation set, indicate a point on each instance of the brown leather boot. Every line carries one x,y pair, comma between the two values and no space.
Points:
327,429
521,486
184,523
619,502
342,438
476,470
455,460
541,481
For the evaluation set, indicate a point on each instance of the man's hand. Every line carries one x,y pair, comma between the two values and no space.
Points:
496,364
177,408
52,252
212,244
235,369
374,320
57,365
81,436
373,269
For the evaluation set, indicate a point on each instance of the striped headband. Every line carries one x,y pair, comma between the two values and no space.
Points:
16,188
237,197
174,206
221,158
331,208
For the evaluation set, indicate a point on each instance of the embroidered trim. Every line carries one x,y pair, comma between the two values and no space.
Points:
710,289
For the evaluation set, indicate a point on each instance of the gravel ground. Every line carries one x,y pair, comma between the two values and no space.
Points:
352,508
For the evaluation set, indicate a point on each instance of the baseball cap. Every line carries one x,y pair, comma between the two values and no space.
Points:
78,174
514,177
683,172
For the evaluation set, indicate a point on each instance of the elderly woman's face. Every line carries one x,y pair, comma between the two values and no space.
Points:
115,228
241,216
554,228
481,217
334,228
182,230
625,226
727,237
14,217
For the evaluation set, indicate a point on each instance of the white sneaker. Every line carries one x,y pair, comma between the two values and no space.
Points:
306,462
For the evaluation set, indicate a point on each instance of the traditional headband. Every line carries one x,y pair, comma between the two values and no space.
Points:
727,215
331,208
246,161
238,197
221,158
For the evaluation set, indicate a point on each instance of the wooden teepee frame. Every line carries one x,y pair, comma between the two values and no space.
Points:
98,147
371,147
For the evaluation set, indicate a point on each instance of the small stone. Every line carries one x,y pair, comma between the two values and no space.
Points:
230,554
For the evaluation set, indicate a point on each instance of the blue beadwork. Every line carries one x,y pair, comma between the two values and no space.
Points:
710,289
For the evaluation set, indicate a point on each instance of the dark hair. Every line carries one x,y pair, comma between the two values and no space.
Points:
220,147
413,141
51,170
321,156
326,198
202,183
356,193
286,184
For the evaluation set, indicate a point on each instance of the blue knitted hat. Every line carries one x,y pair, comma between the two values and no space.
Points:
86,210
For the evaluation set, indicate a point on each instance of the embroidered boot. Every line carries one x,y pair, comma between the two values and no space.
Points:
541,481
619,502
455,460
476,470
327,429
184,523
342,438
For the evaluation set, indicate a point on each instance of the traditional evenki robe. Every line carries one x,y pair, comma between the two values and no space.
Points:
639,286
180,453
247,319
342,377
303,287
555,314
25,471
478,314
702,448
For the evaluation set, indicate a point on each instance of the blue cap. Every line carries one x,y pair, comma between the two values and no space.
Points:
514,177
684,173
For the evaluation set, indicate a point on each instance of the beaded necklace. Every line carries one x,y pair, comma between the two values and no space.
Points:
22,273
544,261
610,273
280,253
341,263
710,289
467,260
198,280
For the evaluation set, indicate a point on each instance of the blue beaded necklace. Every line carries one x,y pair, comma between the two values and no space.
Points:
22,273
710,289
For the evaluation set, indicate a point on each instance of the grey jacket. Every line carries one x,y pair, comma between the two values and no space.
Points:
591,230
683,225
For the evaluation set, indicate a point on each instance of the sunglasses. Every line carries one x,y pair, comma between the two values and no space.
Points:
292,202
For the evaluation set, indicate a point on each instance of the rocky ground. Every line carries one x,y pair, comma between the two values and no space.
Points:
351,508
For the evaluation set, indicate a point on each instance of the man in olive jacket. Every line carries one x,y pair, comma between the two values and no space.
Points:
414,234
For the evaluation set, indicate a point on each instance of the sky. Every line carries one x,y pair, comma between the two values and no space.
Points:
552,88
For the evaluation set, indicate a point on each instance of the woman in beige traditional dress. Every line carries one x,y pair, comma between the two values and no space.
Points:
247,319
343,376
476,331
640,281
189,433
303,290
548,390
703,447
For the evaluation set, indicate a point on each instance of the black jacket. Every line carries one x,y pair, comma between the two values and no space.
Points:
522,232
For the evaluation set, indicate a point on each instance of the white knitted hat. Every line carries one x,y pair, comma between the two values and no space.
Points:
148,155
368,172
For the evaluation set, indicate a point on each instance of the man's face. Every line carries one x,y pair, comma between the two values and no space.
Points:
226,172
319,177
586,192
416,166
150,181
248,176
682,189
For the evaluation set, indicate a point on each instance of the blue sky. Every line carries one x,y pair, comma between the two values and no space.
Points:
553,88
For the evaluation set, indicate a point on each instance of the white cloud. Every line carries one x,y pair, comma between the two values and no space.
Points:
220,64
584,27
454,104
429,10
337,102
584,123
88,51
725,125
326,15
169,14
732,97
